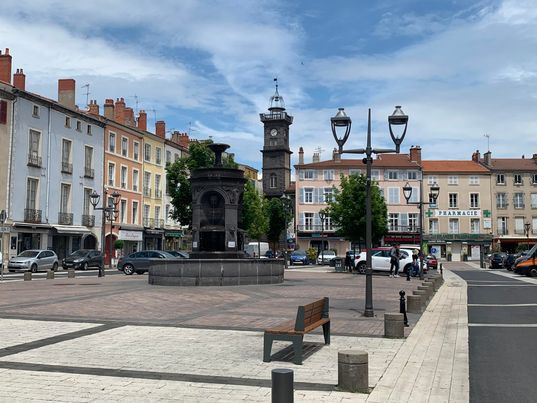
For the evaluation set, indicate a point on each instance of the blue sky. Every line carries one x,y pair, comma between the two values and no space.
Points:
460,69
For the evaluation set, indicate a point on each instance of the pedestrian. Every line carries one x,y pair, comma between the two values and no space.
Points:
415,264
348,265
394,260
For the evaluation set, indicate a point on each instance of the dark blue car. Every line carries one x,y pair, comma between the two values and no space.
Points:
299,256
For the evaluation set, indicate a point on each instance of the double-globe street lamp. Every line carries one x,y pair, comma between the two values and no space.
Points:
434,191
110,213
342,123
322,216
3,218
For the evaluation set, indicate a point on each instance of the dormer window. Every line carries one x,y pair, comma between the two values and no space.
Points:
35,111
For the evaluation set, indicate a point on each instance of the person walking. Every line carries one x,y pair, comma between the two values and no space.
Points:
348,264
394,260
415,264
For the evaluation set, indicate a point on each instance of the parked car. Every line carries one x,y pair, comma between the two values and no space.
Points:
83,259
497,260
34,260
298,256
432,262
139,262
326,256
380,260
178,253
528,266
509,262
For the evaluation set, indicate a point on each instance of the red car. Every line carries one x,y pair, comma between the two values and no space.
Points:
432,262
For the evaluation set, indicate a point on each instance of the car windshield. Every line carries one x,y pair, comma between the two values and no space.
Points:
532,251
298,253
29,253
79,253
329,252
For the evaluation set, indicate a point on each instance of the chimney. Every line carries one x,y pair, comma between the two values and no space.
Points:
316,157
142,120
476,156
300,156
19,80
93,107
160,128
66,92
129,117
534,157
108,108
5,66
415,154
119,110
487,158
182,139
335,155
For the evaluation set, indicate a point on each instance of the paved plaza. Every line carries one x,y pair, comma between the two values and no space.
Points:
119,339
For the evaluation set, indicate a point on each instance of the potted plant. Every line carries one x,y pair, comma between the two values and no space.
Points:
118,245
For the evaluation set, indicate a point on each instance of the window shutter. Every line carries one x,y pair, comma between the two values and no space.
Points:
3,112
402,175
317,220
315,195
301,174
386,175
403,220
314,174
301,219
301,201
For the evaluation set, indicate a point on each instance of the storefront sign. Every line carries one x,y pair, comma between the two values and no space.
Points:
173,234
487,223
130,235
4,229
457,213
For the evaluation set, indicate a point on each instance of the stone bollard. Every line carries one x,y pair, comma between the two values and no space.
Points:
423,295
27,275
427,291
353,372
282,385
435,282
429,287
394,325
414,304
50,275
430,283
71,273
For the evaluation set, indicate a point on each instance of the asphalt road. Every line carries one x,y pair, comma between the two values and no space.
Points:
19,276
502,321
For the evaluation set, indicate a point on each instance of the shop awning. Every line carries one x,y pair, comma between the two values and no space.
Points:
131,227
31,225
71,229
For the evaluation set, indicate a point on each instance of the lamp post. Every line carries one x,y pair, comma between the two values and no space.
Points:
288,210
322,216
527,229
434,191
3,217
110,213
343,123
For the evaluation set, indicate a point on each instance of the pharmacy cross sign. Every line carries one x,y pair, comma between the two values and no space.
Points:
486,213
429,213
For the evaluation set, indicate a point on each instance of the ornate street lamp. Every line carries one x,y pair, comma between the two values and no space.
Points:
110,213
434,191
288,210
527,229
3,218
322,216
342,123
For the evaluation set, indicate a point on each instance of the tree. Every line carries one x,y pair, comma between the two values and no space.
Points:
254,219
178,173
277,221
347,209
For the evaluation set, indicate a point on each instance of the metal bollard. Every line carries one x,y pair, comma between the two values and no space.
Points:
441,270
27,275
282,385
402,306
71,273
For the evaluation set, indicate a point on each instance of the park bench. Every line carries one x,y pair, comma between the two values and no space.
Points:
308,318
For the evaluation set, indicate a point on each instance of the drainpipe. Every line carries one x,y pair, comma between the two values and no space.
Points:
7,245
48,162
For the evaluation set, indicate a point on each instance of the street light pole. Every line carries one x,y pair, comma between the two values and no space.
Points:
341,120
322,216
3,217
527,229
433,195
287,206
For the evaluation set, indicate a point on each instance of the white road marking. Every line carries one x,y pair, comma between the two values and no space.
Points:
502,324
501,285
501,305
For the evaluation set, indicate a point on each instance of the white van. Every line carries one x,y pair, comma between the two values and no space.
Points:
252,249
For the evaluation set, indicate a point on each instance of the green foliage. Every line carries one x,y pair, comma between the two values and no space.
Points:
254,219
178,173
277,220
118,244
311,253
347,209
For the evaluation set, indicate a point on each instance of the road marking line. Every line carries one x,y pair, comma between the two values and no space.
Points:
507,305
502,324
501,285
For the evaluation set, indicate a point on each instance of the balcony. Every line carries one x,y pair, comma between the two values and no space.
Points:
32,216
519,206
34,160
159,223
502,231
134,188
149,222
88,220
123,185
65,218
67,168
316,228
147,191
404,228
501,206
89,172
158,194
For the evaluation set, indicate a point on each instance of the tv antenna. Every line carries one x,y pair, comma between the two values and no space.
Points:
154,114
191,129
136,99
86,86
320,151
488,141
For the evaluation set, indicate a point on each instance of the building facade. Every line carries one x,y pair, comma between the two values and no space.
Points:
514,196
459,225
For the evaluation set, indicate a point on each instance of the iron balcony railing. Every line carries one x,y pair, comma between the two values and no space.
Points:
149,222
159,223
65,218
316,228
34,160
67,167
403,228
158,194
32,215
147,191
89,172
88,220
135,188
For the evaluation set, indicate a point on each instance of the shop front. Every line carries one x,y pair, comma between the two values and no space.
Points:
24,236
67,238
132,237
173,239
458,247
316,241
153,239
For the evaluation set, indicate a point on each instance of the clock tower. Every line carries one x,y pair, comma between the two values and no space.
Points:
276,152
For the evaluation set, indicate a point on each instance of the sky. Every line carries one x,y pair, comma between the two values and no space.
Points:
460,69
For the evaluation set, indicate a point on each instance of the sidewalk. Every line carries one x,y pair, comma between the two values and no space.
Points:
75,361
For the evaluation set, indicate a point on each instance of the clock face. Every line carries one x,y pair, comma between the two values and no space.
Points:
273,132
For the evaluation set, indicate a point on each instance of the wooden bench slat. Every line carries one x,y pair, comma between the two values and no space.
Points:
316,324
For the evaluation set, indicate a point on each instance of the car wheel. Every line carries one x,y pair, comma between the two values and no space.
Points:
85,266
139,272
361,267
291,263
33,269
128,269
55,267
533,272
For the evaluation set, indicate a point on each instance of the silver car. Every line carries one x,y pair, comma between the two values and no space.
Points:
34,260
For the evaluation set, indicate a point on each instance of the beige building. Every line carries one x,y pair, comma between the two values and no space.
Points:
459,226
315,185
514,196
